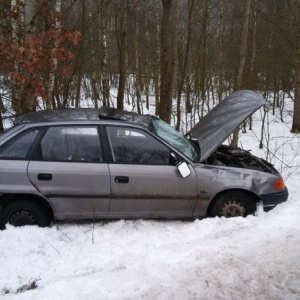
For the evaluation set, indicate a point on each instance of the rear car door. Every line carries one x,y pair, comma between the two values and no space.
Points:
68,169
14,157
143,181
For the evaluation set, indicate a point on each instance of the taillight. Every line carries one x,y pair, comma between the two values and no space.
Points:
279,185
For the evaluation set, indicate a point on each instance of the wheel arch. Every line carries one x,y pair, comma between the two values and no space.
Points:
216,196
6,198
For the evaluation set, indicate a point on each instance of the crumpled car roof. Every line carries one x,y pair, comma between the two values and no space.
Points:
82,114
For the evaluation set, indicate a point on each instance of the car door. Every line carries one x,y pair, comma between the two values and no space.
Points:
68,170
14,157
143,182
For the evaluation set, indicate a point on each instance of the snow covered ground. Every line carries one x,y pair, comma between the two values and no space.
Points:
257,257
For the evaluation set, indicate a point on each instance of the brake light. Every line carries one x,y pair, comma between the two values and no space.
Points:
279,185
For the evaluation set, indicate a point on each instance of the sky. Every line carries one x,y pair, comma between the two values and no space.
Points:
257,257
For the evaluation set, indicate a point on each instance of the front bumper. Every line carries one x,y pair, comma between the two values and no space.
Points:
271,200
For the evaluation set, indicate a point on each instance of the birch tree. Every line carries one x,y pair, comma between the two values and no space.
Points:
27,54
17,23
105,46
54,60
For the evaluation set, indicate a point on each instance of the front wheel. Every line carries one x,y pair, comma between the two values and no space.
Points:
232,204
22,212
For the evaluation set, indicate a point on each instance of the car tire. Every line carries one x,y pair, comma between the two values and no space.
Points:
22,212
232,204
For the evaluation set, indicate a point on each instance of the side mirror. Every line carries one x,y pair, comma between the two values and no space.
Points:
184,169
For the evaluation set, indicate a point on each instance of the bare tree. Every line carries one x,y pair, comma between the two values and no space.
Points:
146,80
296,116
54,59
137,57
22,25
203,54
239,76
105,40
183,76
122,46
157,57
142,43
168,61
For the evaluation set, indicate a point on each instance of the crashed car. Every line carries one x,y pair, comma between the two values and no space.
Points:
88,163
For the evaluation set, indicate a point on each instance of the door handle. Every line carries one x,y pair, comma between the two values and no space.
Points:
44,177
121,179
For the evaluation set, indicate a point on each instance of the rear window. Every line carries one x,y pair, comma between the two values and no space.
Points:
19,146
67,143
10,131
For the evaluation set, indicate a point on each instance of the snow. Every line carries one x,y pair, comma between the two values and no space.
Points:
257,257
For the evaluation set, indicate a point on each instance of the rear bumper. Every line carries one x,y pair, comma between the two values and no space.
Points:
271,200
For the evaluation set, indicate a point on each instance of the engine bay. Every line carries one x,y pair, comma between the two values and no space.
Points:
239,158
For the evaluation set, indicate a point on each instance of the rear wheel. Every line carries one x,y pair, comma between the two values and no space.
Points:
22,212
233,204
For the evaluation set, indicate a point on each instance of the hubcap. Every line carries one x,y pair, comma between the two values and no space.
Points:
22,217
232,208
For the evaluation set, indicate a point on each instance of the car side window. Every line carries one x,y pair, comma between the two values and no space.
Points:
133,146
19,147
71,143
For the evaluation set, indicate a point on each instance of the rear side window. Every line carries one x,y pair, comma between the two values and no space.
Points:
66,143
18,147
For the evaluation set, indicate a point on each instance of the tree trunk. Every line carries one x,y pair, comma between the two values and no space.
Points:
54,59
220,55
203,53
2,110
95,75
122,45
29,16
168,62
185,65
296,116
105,75
23,12
146,81
239,76
157,64
17,91
136,54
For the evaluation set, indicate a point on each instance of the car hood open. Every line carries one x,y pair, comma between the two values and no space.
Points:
221,121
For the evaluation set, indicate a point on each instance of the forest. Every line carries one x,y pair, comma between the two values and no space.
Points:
176,59
181,56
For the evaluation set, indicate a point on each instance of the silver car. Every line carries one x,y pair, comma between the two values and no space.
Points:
104,163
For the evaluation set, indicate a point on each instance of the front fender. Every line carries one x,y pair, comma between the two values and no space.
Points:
213,180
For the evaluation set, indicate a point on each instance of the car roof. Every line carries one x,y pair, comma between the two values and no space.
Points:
83,114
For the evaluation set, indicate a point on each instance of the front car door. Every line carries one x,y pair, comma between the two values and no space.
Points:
68,169
143,181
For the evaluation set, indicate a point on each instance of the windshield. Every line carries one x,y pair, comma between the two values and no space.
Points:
176,139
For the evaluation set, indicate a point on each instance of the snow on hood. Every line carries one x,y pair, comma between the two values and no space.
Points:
221,121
